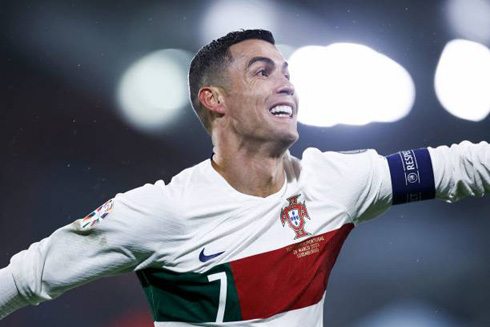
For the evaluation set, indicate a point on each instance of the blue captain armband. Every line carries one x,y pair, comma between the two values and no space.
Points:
412,177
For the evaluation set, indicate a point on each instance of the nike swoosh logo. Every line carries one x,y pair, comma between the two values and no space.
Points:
204,258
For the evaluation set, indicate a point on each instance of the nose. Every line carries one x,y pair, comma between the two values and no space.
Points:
286,88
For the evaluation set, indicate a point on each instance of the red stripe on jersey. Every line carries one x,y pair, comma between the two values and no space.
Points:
289,278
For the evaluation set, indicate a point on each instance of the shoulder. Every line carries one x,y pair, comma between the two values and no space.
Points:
339,160
188,182
156,198
341,172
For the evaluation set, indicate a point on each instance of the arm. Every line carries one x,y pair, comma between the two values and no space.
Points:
372,183
448,173
114,239
10,299
69,257
461,170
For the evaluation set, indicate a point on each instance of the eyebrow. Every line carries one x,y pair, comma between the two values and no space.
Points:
268,61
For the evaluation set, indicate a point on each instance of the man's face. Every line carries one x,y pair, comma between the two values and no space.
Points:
261,103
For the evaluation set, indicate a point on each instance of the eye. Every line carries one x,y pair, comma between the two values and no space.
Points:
263,73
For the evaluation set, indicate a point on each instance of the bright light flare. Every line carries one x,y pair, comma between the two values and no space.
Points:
470,19
350,84
462,79
153,90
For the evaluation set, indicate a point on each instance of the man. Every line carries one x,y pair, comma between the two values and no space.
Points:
248,237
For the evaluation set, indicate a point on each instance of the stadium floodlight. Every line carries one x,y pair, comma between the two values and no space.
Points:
153,90
469,19
224,16
352,84
462,79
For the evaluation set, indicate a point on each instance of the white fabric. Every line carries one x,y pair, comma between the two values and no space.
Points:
11,299
461,170
166,226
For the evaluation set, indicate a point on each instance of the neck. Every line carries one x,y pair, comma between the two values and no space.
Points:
251,169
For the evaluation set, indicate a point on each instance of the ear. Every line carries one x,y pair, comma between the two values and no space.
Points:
211,98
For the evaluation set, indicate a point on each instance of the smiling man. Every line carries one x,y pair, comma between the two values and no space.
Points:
248,237
252,116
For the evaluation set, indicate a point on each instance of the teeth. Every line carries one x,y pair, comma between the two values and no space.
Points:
282,110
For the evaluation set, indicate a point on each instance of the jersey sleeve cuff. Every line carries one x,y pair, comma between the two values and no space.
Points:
10,299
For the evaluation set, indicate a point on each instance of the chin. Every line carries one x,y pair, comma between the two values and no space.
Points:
290,138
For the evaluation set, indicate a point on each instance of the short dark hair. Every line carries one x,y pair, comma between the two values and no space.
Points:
207,66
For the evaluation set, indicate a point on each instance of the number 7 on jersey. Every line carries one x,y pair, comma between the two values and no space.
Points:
222,294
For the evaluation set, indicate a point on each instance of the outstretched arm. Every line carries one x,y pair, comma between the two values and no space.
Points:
71,256
461,170
116,238
10,299
448,173
373,183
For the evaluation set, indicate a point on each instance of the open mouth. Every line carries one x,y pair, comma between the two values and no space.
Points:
282,111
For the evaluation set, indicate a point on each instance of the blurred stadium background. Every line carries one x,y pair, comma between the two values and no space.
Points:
93,102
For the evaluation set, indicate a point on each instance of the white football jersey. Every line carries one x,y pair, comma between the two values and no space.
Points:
208,255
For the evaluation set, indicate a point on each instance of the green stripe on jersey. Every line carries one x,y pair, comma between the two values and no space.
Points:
191,297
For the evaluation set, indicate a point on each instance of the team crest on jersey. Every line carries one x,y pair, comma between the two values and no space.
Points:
294,214
96,216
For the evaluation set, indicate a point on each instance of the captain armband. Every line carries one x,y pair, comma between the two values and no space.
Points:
412,177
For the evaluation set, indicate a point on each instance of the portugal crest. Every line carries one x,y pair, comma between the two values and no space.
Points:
294,214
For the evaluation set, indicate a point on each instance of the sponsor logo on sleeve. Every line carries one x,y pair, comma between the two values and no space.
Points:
412,177
96,216
411,172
